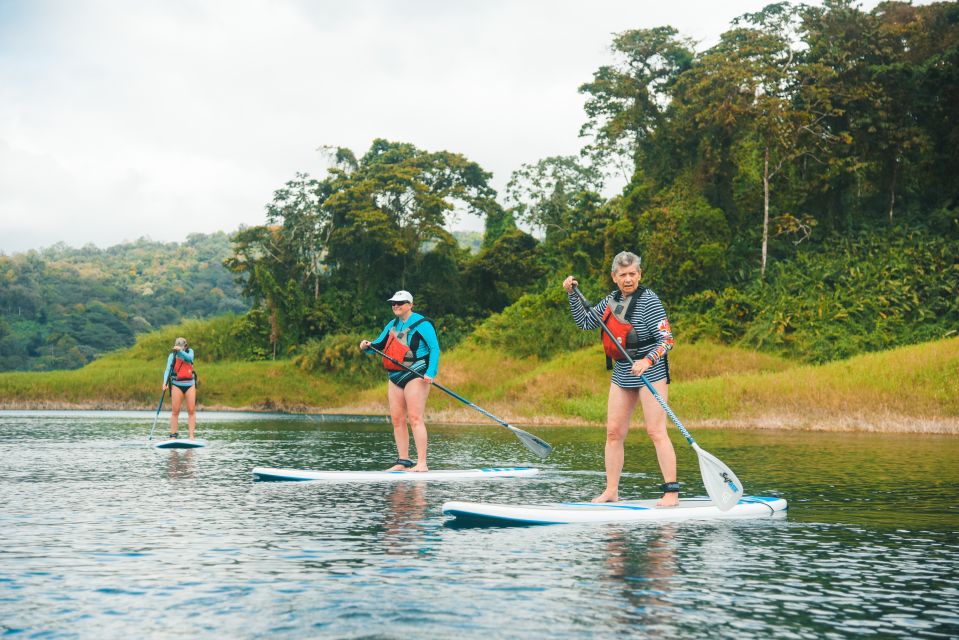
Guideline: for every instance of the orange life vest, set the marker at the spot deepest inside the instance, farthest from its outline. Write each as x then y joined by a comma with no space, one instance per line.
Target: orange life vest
182,370
398,346
616,318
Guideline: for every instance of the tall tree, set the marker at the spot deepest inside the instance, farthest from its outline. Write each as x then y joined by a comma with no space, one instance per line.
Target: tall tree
840,37
272,274
392,208
751,100
627,101
304,223
545,193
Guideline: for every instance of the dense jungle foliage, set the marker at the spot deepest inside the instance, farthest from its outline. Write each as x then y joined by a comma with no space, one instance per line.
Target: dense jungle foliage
792,188
60,307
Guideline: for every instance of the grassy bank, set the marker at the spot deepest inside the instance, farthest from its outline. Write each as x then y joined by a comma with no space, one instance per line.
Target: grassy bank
118,383
912,389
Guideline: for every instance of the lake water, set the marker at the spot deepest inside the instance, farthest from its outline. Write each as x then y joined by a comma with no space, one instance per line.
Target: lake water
105,537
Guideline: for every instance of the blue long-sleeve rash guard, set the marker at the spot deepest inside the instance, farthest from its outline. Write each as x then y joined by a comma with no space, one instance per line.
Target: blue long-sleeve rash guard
428,345
185,355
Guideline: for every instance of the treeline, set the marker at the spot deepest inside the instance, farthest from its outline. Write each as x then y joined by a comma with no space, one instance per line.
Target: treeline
801,122
334,249
62,307
807,139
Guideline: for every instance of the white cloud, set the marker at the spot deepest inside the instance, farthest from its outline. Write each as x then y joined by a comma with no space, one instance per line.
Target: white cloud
119,120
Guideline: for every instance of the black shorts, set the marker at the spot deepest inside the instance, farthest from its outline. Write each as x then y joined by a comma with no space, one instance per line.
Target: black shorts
402,378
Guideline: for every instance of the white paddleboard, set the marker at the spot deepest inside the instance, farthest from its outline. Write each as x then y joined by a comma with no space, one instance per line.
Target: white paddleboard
266,473
179,443
626,511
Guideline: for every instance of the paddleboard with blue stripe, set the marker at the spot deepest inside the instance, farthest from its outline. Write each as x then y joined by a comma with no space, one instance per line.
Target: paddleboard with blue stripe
179,443
268,474
626,511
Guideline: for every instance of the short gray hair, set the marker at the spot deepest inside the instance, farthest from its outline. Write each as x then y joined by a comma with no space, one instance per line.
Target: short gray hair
625,259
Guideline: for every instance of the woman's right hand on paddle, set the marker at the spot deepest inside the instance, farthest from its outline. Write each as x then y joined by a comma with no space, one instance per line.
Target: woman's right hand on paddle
365,344
569,283
165,387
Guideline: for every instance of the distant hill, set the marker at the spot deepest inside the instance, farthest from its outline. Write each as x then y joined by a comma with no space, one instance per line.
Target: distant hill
62,307
471,240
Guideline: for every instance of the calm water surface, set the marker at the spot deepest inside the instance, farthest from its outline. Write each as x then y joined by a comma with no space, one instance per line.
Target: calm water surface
103,536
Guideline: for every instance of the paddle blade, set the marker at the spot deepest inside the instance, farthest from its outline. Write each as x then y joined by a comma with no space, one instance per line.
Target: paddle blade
722,485
537,445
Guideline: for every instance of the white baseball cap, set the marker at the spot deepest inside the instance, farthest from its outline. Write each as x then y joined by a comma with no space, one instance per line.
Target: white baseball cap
402,296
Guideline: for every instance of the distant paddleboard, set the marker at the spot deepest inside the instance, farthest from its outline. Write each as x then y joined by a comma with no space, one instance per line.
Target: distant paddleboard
627,511
178,443
267,474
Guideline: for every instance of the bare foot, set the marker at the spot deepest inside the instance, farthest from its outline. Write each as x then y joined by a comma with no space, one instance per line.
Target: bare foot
420,467
397,467
670,499
607,496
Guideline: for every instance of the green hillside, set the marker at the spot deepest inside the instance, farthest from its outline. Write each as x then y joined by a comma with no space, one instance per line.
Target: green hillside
61,308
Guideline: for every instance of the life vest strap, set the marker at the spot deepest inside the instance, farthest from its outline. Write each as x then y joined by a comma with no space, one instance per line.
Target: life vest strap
634,347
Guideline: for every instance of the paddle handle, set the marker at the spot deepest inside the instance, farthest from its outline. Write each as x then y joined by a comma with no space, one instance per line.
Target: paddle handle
642,377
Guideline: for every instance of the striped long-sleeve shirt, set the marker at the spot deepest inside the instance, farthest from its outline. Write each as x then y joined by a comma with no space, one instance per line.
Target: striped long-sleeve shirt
651,325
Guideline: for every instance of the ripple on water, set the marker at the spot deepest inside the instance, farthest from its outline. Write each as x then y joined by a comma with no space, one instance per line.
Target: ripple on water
104,539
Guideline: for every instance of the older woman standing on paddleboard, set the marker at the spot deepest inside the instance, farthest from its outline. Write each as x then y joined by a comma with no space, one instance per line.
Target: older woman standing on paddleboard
181,378
636,317
411,340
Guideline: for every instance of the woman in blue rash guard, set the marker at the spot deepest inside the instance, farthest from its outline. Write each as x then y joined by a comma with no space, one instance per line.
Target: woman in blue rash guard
179,375
411,339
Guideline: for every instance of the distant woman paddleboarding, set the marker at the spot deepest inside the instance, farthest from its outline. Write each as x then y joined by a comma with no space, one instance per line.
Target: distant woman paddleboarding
636,317
180,376
411,340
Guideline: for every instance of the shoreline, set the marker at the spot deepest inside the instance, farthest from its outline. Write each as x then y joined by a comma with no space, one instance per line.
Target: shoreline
890,423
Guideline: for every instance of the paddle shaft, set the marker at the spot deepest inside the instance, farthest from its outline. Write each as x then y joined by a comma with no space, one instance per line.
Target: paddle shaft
444,389
535,444
645,381
159,406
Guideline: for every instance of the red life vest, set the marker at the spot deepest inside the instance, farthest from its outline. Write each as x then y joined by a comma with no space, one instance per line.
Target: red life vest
399,347
182,370
616,318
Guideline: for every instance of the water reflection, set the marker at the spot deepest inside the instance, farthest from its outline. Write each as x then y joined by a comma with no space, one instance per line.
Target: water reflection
180,464
642,567
406,508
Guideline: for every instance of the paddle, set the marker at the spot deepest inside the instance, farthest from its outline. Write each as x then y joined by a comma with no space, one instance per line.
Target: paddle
722,485
537,445
162,395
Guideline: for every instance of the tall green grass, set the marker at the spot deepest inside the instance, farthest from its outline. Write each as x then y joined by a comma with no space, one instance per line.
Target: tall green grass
219,338
115,383
712,384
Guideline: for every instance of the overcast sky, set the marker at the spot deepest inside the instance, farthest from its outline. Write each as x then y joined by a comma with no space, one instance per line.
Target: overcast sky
126,119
